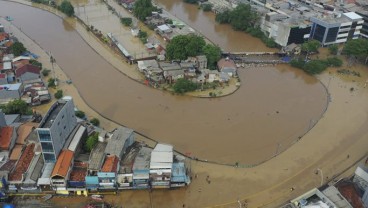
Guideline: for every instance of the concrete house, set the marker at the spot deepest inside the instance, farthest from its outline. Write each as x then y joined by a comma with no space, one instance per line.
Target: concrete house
27,73
96,159
10,92
107,175
60,173
141,168
120,140
33,173
161,164
228,66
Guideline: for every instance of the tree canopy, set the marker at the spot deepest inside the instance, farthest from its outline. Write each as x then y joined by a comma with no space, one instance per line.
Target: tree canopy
17,48
316,66
357,48
67,8
183,85
240,18
213,54
91,142
183,46
16,107
311,46
143,9
95,121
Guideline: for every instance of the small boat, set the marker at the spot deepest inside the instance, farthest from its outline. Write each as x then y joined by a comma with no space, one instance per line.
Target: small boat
47,197
97,197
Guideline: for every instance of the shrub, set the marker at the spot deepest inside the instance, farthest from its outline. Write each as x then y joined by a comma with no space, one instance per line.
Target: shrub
35,63
334,61
59,94
95,121
80,114
91,142
127,21
183,85
207,7
46,72
333,49
67,8
51,83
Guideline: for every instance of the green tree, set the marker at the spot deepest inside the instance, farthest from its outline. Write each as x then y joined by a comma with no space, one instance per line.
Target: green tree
67,8
334,61
213,54
91,142
357,48
95,121
183,46
51,82
207,7
311,46
142,35
59,94
80,114
45,72
183,85
17,48
127,21
35,63
143,9
315,66
333,49
16,107
243,17
191,1
223,17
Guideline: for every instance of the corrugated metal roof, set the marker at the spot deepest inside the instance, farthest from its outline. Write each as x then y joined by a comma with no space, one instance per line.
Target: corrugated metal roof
76,139
97,156
116,143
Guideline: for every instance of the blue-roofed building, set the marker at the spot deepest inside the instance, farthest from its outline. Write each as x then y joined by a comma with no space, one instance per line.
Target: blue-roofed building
92,183
179,175
106,180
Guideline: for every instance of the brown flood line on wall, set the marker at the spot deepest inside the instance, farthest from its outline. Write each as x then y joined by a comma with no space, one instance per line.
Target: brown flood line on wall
221,34
270,110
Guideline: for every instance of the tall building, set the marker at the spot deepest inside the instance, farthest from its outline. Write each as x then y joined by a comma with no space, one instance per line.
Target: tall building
55,128
336,30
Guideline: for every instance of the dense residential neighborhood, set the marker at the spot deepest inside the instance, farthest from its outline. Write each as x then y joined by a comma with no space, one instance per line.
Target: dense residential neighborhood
50,156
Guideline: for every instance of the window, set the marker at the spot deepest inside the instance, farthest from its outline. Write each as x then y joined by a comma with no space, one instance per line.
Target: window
47,147
62,117
64,127
332,34
49,157
44,135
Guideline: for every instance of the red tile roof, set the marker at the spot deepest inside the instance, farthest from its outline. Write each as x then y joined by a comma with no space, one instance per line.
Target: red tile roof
20,63
111,164
5,137
27,68
349,191
23,163
8,166
79,171
63,163
4,36
226,63
8,44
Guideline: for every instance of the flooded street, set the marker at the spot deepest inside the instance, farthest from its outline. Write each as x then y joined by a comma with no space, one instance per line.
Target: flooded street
272,108
204,22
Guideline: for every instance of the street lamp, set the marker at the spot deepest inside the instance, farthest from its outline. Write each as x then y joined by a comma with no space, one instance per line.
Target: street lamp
319,170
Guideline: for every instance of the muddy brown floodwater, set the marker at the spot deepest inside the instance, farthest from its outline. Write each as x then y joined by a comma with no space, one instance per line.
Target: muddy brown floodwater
204,22
265,116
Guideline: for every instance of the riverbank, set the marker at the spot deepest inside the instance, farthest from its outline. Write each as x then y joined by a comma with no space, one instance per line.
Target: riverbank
341,131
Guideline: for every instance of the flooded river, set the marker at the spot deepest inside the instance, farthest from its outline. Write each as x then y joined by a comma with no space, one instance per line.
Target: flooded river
204,22
270,110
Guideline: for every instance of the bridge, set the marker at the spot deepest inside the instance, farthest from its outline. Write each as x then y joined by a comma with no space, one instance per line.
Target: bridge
257,57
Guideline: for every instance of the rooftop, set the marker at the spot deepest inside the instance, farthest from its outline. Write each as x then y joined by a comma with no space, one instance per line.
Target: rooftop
8,166
52,114
96,157
79,172
24,130
142,160
116,143
27,68
350,192
111,164
23,163
226,63
16,152
35,168
45,177
63,163
6,133
162,157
